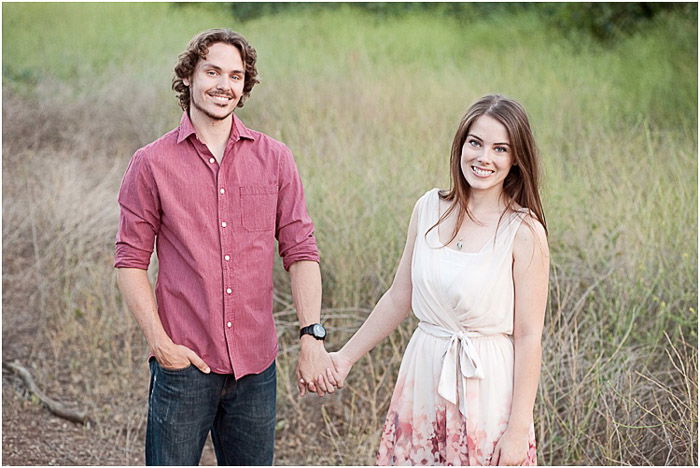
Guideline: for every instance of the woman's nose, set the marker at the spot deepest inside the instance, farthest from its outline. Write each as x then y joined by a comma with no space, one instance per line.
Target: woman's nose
484,155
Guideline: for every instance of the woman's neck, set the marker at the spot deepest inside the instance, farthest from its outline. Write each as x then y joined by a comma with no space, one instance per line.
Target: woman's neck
484,202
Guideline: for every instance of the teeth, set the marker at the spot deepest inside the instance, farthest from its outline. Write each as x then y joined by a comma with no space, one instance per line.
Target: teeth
482,172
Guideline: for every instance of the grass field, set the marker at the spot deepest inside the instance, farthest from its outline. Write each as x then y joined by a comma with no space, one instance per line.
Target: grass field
369,108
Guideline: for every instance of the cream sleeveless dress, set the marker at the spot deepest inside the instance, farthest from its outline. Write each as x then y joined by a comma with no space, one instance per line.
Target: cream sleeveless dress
453,394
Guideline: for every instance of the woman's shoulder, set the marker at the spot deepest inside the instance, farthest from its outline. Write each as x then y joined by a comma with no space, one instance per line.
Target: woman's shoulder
528,217
531,232
424,205
428,197
432,193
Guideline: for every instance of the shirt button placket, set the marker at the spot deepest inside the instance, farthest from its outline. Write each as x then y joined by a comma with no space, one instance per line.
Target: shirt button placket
224,245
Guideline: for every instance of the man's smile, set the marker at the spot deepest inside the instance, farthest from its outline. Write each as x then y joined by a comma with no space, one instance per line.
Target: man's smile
220,98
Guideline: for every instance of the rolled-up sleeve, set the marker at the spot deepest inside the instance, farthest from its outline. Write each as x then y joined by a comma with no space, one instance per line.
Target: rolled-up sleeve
295,230
139,215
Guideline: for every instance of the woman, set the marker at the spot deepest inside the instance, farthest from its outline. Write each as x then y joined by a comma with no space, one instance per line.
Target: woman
475,272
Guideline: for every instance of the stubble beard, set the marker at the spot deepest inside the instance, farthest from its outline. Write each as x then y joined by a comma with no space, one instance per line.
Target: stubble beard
195,104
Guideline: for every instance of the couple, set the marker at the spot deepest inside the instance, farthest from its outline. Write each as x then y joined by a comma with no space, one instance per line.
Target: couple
214,195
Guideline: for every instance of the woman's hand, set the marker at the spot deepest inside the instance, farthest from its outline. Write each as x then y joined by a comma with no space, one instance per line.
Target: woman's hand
511,448
341,368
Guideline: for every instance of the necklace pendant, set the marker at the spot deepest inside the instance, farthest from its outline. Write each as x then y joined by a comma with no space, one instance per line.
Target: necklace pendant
459,244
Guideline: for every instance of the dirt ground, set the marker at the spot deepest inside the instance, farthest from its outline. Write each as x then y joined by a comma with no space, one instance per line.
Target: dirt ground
32,435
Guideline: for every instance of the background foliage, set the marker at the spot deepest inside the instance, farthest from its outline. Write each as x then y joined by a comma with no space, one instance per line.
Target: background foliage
368,97
604,21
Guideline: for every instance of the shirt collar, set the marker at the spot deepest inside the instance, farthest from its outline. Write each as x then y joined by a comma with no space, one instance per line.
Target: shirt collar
242,130
238,129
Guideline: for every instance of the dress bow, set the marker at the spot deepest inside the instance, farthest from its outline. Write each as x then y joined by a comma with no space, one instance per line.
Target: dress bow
460,357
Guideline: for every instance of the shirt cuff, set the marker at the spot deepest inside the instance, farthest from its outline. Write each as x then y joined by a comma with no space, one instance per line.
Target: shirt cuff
130,257
289,260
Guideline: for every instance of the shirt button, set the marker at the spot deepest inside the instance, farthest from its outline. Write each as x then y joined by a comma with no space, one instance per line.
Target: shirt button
222,191
227,258
229,324
229,290
212,160
223,223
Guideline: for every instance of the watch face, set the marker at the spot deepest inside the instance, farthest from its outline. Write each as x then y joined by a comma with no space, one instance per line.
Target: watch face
319,331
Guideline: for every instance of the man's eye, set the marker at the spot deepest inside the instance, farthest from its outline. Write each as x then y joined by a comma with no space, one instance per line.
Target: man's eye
211,73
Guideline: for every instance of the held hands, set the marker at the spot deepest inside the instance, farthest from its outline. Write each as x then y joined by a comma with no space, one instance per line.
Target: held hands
311,367
511,448
328,374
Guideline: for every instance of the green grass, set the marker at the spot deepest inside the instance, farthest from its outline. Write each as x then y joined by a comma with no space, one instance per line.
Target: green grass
369,107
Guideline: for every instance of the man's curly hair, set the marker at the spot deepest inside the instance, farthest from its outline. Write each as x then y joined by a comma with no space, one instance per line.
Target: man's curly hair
198,48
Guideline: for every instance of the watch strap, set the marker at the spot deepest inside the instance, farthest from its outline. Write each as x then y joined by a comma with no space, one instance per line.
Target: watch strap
309,330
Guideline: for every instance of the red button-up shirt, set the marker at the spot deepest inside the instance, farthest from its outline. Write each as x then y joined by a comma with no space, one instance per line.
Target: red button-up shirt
215,227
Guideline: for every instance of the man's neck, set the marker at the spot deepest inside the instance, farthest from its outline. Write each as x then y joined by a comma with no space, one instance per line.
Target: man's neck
211,132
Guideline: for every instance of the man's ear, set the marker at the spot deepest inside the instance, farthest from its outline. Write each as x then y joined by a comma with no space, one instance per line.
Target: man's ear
186,81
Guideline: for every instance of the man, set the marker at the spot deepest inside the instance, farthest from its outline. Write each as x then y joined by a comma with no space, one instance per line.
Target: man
214,195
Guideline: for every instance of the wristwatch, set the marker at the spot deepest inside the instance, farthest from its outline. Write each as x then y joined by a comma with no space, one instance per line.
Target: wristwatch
315,329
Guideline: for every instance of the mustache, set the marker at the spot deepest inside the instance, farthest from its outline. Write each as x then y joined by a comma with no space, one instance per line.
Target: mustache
221,92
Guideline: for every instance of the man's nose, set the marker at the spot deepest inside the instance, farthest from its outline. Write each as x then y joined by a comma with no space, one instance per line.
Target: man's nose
224,82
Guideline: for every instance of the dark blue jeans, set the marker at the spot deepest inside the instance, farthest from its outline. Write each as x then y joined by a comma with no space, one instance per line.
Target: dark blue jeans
184,405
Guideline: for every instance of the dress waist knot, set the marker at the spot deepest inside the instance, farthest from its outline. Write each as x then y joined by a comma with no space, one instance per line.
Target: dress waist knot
460,356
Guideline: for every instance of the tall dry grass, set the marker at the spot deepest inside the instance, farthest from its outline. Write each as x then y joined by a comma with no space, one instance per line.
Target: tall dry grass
369,109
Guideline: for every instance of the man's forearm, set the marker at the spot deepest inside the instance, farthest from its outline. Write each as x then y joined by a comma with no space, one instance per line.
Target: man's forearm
306,294
306,291
138,293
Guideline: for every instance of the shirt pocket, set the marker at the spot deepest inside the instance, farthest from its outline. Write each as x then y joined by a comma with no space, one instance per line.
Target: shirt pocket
258,207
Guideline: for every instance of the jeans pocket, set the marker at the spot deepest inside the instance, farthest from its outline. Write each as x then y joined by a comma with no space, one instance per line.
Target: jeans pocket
258,207
174,371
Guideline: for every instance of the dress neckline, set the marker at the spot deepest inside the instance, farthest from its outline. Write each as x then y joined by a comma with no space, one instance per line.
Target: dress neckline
490,240
484,248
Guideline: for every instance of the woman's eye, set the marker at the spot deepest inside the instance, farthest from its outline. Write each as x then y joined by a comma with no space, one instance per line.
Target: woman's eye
501,149
474,143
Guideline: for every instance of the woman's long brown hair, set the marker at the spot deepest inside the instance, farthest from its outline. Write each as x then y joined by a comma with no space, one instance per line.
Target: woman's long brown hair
521,185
